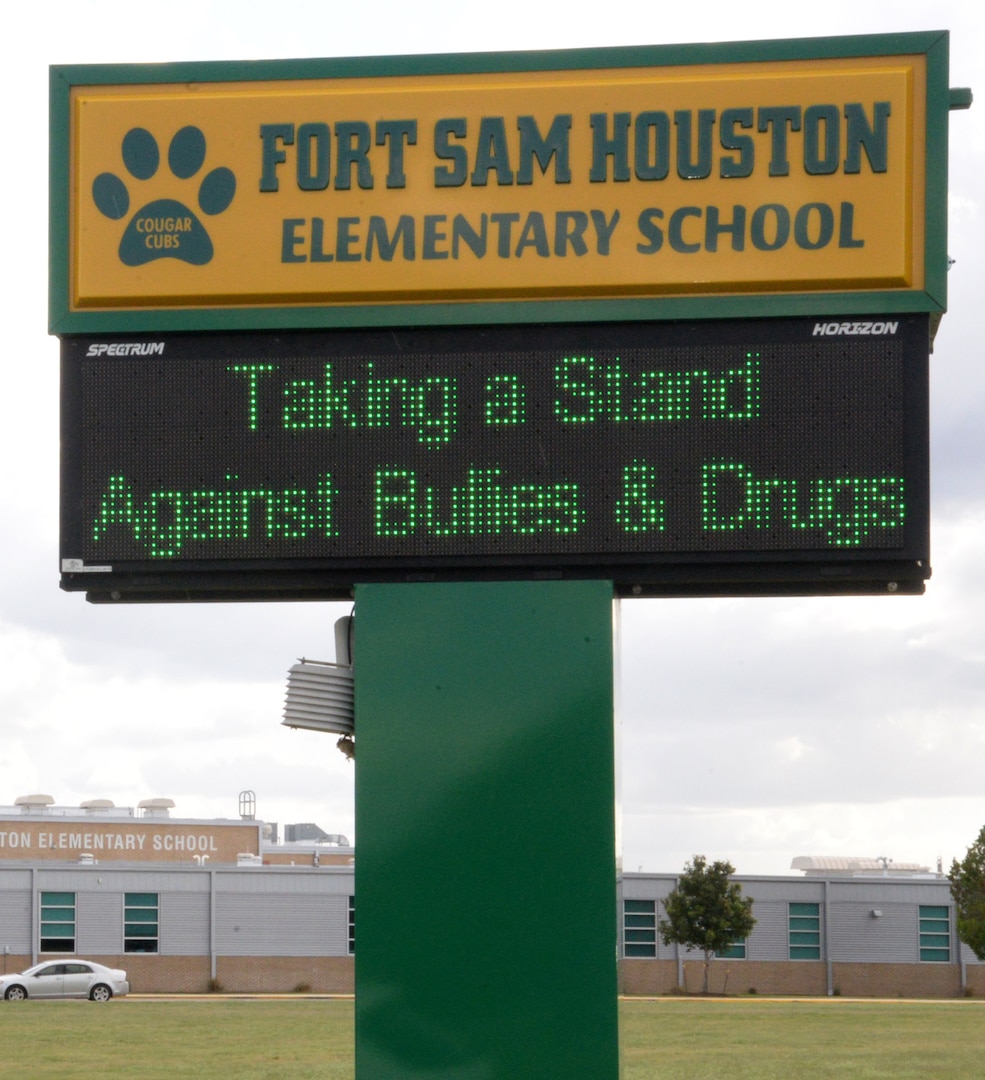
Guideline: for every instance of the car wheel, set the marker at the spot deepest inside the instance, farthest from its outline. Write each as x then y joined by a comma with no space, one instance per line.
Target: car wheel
15,993
100,992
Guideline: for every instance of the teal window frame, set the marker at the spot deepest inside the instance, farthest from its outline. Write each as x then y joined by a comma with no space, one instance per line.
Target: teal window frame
736,951
141,922
639,928
935,934
352,926
804,931
56,930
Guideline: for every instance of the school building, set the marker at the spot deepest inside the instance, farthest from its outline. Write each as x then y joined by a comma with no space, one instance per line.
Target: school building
239,905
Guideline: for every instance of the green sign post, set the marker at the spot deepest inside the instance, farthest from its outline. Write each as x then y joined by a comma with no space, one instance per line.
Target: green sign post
485,875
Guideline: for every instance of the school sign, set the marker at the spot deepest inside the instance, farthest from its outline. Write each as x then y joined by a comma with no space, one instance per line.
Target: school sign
715,181
516,333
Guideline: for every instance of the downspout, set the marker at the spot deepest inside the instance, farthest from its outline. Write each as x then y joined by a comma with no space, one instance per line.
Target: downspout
827,939
962,963
678,956
35,916
212,962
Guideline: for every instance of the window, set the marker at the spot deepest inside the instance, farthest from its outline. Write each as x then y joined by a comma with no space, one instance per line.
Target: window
352,925
805,931
736,951
935,934
140,922
639,924
58,922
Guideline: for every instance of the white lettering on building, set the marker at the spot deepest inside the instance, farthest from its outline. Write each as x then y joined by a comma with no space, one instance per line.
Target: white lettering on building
108,841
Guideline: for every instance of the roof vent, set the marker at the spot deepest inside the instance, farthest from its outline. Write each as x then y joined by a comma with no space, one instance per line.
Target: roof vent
856,866
34,804
156,807
97,806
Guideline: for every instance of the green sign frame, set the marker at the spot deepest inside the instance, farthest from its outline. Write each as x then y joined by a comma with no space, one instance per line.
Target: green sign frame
929,295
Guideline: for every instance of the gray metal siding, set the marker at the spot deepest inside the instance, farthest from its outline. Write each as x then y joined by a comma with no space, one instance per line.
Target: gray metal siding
769,939
858,936
14,880
15,920
795,891
875,890
282,925
184,924
671,951
98,923
275,881
967,956
666,952
849,930
97,879
645,888
299,911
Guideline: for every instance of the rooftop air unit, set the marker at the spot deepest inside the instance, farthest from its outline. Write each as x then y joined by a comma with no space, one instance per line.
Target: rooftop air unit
156,807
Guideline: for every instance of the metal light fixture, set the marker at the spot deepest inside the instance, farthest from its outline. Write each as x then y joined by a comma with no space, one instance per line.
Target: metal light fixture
320,693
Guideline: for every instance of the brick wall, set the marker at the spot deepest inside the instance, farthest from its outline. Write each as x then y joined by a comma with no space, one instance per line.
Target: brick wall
235,974
647,977
336,974
284,974
13,963
976,979
644,977
150,974
897,980
725,976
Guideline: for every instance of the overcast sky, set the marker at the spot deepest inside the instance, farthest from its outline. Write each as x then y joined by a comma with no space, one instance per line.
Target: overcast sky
754,730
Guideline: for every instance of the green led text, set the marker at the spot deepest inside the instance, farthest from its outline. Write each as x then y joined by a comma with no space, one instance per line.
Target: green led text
639,509
428,406
483,505
846,509
166,520
590,390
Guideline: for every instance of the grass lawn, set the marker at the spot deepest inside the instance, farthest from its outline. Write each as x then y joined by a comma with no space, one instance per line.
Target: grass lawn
791,1039
297,1038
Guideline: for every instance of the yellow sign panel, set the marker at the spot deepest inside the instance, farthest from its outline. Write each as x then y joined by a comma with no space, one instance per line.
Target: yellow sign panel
752,178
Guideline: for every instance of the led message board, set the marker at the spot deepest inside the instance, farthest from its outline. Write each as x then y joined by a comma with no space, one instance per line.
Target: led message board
674,458
704,181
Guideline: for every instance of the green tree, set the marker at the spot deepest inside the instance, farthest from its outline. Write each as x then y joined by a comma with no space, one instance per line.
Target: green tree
706,910
968,890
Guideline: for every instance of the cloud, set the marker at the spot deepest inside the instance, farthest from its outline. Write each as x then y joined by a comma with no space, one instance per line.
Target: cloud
868,713
765,839
76,732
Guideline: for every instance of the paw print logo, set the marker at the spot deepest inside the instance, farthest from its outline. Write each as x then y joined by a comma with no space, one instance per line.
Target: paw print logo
164,228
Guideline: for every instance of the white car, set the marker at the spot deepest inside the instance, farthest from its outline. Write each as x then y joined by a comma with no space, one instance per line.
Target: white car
65,979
